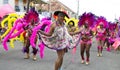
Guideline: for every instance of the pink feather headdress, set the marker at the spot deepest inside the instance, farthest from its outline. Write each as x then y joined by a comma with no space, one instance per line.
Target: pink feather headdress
102,21
87,17
112,26
31,15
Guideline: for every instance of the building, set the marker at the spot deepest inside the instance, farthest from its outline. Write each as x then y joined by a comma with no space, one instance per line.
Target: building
11,2
45,8
53,5
19,5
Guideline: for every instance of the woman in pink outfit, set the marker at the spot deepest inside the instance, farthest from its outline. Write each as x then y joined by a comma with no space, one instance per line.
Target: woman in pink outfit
101,34
86,22
86,42
111,35
116,43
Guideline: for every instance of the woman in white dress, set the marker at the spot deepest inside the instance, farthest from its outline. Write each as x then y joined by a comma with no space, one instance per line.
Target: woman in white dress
58,38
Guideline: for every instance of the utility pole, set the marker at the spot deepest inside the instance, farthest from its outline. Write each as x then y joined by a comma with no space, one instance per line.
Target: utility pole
49,5
77,8
28,3
50,11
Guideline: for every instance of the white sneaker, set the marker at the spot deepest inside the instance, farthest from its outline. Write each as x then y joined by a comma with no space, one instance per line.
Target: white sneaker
98,54
82,61
87,63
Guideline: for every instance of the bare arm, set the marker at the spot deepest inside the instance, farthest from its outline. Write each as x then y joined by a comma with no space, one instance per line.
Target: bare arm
76,32
52,27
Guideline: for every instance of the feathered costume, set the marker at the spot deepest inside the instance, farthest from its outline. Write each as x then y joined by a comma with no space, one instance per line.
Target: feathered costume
101,21
102,25
111,35
87,22
116,43
20,25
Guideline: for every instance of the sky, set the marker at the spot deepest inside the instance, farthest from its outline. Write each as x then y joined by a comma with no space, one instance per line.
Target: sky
107,8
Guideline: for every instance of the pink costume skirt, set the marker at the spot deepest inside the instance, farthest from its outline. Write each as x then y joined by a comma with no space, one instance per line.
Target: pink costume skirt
111,40
100,37
86,42
116,44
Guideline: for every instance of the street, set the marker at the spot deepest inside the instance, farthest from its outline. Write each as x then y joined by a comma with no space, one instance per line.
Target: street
13,59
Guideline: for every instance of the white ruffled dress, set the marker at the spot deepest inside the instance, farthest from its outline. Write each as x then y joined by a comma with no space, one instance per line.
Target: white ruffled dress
60,39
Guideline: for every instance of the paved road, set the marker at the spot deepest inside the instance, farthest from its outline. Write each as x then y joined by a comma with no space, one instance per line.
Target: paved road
13,60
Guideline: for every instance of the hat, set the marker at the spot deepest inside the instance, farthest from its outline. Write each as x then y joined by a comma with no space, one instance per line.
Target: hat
64,13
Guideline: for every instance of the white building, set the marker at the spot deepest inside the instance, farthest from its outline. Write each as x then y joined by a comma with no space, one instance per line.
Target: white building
18,5
11,2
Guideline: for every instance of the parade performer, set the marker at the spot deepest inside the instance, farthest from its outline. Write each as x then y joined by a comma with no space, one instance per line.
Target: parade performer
101,33
86,23
111,35
28,32
116,44
58,38
20,25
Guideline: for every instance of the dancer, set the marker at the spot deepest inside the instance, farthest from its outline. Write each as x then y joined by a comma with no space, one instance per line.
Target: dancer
116,44
58,38
27,34
111,35
87,22
101,34
86,42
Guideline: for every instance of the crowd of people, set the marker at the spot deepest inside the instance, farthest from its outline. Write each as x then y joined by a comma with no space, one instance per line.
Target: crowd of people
62,37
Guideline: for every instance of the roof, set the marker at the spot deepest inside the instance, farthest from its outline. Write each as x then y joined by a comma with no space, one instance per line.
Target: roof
40,1
66,7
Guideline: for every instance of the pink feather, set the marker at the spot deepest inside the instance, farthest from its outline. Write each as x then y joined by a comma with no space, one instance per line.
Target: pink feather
41,46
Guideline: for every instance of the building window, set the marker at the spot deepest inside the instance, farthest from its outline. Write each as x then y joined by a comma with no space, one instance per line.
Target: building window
17,8
5,1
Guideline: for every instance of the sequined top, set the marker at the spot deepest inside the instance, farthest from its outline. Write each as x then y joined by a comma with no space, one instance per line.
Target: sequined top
101,32
86,34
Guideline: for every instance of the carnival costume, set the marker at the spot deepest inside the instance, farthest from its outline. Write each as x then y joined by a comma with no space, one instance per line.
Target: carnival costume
87,19
102,24
116,43
28,33
19,26
111,35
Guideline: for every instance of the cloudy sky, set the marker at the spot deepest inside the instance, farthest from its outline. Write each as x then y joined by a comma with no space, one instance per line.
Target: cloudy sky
108,8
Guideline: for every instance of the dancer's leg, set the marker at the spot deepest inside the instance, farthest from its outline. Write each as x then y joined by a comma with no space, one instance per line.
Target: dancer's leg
59,61
35,51
82,49
87,53
27,49
98,48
